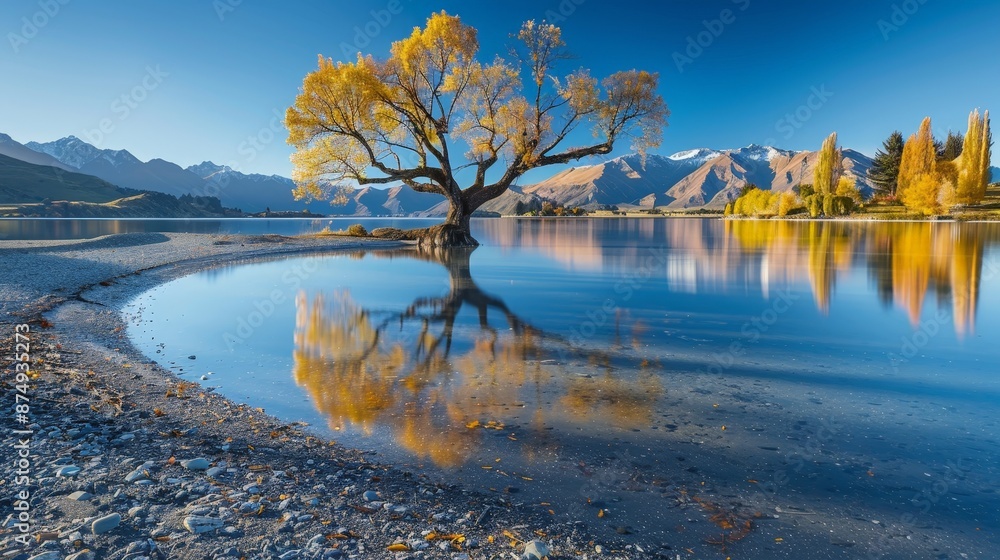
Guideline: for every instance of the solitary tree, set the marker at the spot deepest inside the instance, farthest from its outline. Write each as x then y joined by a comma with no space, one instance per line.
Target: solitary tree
406,119
884,171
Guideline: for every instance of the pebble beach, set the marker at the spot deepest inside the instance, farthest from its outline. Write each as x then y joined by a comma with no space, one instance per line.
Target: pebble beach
124,460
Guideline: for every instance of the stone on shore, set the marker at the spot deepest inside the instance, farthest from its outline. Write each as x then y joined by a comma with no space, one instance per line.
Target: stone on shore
199,464
106,523
68,470
80,496
201,524
536,550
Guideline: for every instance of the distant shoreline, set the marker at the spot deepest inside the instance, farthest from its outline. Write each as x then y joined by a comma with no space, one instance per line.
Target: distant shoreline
706,216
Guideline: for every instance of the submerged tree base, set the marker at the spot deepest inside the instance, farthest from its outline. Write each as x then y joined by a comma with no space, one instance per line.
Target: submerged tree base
443,235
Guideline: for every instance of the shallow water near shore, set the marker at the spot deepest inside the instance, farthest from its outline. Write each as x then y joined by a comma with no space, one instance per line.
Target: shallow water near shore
666,381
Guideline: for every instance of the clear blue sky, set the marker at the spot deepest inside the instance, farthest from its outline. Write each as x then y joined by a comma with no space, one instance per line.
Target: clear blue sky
218,81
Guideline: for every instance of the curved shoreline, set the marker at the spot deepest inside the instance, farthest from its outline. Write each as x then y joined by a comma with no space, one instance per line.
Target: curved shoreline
273,490
100,405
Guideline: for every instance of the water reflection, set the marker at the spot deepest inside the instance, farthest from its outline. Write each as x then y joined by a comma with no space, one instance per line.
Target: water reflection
906,261
447,369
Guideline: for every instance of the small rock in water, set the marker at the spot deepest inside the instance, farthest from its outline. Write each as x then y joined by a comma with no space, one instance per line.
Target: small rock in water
536,550
370,496
82,555
68,470
201,524
80,496
50,555
199,464
192,357
105,524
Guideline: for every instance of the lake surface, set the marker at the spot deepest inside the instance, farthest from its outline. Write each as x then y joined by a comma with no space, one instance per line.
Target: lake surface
754,389
88,228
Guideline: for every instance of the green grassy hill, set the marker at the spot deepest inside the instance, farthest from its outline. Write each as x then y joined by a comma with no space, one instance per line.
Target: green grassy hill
29,190
25,183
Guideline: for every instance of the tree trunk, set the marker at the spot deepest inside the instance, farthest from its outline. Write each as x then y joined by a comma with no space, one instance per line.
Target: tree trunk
454,232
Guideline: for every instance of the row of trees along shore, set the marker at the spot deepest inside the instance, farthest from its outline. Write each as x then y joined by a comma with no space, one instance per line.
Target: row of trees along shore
925,175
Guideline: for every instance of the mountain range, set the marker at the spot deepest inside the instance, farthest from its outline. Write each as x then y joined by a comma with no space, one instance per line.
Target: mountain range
698,178
248,192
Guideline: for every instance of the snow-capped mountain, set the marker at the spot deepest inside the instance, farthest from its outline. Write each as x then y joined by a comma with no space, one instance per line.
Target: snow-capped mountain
720,180
14,149
700,177
120,167
700,155
688,179
208,170
625,180
77,154
250,193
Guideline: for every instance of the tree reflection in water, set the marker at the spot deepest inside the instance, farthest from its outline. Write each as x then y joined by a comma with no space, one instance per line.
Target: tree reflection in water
906,260
440,384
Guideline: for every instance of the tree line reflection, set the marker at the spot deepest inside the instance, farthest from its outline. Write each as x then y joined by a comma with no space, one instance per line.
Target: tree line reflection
905,261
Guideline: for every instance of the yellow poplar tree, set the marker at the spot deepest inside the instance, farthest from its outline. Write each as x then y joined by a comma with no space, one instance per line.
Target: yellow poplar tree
919,160
829,168
974,163
922,194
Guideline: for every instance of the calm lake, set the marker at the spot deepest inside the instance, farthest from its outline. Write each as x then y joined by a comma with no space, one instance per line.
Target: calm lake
828,384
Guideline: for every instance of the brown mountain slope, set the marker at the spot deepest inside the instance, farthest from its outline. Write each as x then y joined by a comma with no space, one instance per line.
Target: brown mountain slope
719,181
623,181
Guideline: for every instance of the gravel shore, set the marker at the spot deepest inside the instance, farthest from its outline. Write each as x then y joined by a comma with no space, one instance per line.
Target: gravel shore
127,461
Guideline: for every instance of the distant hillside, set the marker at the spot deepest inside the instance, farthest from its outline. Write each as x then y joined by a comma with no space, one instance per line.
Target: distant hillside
505,204
995,171
11,148
250,193
142,205
394,201
27,189
23,182
699,178
719,181
121,167
623,181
